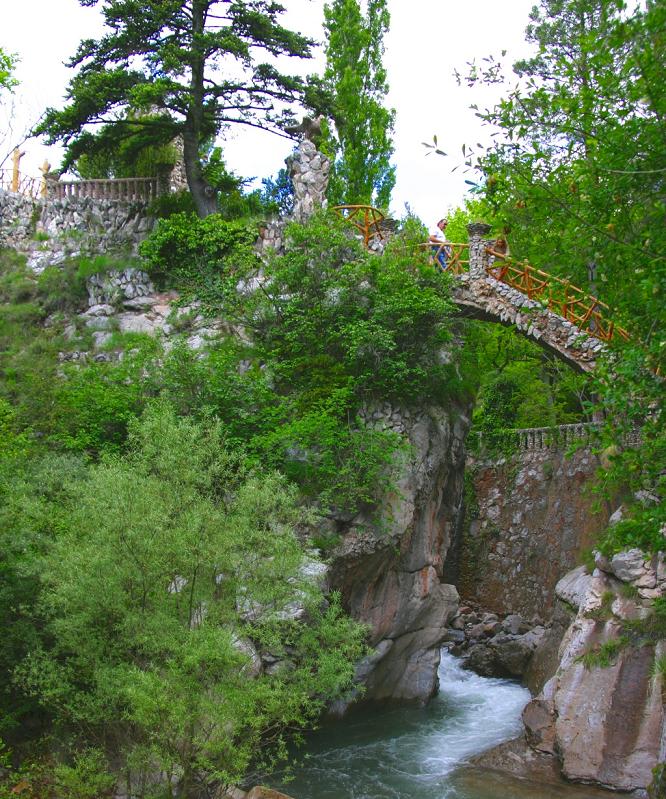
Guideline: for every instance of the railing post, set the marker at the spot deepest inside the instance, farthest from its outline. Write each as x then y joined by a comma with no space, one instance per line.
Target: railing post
16,169
477,249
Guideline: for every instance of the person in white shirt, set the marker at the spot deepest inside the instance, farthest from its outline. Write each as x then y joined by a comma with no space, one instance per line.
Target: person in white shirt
438,239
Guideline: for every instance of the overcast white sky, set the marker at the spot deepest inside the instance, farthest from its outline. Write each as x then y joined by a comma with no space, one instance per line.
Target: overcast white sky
428,40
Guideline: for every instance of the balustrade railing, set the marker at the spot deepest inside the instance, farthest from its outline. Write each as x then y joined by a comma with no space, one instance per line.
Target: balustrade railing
124,189
128,189
535,439
531,439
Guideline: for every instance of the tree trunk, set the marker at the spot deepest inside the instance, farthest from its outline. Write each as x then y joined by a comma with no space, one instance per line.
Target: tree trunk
203,194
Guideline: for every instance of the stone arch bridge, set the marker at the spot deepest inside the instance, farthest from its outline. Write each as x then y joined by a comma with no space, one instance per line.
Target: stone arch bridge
550,311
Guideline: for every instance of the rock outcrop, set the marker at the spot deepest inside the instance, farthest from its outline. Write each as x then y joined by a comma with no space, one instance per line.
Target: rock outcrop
390,571
601,716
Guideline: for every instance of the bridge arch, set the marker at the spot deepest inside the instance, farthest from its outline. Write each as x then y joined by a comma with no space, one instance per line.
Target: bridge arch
552,312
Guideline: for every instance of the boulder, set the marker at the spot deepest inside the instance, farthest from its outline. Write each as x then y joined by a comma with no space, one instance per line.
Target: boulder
573,586
481,660
539,720
512,623
629,566
513,653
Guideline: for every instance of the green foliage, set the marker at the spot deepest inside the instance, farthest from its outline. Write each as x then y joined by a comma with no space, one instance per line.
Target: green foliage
332,329
124,150
334,318
576,183
198,555
361,145
181,73
605,654
278,193
7,66
32,492
657,788
186,251
659,667
577,175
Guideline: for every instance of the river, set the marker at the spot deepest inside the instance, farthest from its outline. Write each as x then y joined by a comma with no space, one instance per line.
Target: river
403,752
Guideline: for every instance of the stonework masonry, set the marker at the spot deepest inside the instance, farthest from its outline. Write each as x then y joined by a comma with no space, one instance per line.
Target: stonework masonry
45,230
529,518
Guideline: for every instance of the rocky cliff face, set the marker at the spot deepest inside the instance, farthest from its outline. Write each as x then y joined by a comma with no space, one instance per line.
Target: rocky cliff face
390,573
603,713
600,719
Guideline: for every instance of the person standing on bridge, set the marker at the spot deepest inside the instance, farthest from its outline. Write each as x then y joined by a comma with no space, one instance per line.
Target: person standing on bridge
437,238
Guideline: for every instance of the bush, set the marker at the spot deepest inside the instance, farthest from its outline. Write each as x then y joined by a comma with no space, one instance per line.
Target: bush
198,554
185,250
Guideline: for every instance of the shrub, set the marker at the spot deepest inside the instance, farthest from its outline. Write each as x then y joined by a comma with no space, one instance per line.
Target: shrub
184,249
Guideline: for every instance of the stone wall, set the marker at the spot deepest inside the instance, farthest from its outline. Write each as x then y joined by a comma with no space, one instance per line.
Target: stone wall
45,229
19,216
528,519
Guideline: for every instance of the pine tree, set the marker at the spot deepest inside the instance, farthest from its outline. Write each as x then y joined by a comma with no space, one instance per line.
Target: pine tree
195,61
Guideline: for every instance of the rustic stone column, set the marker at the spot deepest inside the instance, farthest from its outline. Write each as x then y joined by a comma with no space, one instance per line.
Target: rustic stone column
477,249
309,171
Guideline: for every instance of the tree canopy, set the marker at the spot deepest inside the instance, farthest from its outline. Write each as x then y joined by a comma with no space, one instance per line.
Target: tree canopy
192,66
577,180
579,172
361,144
7,66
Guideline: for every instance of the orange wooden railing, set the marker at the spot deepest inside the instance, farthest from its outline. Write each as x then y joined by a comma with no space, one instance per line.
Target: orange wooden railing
366,219
21,184
455,255
583,310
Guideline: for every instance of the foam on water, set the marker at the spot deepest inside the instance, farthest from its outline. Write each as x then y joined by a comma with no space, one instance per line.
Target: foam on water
406,752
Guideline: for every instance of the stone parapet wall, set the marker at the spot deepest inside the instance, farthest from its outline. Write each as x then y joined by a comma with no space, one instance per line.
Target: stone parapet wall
106,224
528,520
112,223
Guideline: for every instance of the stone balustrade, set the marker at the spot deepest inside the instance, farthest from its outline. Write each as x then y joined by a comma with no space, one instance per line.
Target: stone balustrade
123,189
538,438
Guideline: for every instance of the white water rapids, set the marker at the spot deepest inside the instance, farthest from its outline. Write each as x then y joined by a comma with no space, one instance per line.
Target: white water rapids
405,752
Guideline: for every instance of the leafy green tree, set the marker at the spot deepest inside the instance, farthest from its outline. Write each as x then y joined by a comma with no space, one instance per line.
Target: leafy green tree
579,181
361,145
196,61
578,176
7,66
105,155
170,562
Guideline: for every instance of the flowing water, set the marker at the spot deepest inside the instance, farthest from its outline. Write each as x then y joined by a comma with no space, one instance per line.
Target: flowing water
401,752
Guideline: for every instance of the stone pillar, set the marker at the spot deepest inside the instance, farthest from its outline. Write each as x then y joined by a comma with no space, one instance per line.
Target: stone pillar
477,249
51,181
309,171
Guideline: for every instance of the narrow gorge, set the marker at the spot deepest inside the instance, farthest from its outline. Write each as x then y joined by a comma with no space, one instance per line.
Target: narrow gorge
475,553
